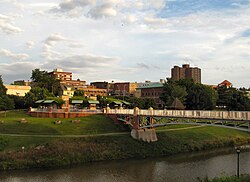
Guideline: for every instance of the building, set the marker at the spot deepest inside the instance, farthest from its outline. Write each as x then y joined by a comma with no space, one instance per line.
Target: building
103,85
124,89
225,83
74,83
17,90
186,71
92,91
152,91
66,90
59,74
22,83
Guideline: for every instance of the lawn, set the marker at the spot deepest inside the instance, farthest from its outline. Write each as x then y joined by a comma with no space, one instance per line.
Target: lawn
101,124
94,124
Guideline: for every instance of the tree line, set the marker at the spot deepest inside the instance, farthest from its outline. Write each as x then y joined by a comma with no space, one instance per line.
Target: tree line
203,97
193,96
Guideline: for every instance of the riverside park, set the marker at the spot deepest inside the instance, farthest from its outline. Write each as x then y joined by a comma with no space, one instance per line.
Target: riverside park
44,143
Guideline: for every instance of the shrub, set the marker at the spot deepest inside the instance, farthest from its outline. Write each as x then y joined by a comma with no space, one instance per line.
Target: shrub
3,143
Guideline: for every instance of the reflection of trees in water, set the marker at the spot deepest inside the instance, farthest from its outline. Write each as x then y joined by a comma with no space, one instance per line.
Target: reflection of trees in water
185,167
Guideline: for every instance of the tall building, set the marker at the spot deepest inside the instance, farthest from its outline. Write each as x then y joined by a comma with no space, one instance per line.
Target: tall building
186,71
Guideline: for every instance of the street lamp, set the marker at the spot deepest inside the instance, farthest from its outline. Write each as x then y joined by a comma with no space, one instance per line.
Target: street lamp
238,162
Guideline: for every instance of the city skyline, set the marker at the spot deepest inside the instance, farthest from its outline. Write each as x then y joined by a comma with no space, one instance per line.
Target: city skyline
125,40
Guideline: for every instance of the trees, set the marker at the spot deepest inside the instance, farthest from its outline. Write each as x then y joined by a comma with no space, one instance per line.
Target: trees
44,80
194,96
172,90
201,97
6,103
2,87
233,99
35,94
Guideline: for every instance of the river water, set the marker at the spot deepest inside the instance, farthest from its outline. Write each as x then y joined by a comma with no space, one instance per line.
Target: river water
180,168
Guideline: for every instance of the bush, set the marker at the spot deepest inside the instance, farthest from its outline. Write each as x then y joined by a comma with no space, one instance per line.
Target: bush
3,143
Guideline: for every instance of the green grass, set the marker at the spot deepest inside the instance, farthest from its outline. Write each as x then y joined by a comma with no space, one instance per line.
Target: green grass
94,124
56,152
242,178
15,143
60,151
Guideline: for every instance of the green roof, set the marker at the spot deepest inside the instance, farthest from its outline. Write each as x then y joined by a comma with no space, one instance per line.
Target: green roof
154,85
126,103
117,102
76,101
49,101
39,102
93,102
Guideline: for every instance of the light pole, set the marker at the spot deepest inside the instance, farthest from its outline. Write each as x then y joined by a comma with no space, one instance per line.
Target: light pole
238,162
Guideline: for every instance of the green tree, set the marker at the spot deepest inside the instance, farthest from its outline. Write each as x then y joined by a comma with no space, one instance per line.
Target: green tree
172,90
201,97
6,103
36,93
193,95
44,80
18,101
149,102
233,99
2,87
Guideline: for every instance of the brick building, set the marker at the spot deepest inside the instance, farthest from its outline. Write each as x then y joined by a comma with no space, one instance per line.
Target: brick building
186,71
124,88
61,75
152,91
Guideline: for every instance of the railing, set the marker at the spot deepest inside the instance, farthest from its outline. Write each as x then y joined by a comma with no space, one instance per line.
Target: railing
39,109
58,110
63,110
121,111
86,110
230,115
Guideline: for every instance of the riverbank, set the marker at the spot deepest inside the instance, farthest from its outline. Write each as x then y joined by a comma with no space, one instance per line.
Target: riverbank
242,178
58,152
40,143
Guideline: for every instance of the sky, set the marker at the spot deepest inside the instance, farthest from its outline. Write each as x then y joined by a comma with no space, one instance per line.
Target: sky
126,40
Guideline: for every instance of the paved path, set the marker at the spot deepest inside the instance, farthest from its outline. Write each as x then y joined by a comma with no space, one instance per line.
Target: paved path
64,136
89,135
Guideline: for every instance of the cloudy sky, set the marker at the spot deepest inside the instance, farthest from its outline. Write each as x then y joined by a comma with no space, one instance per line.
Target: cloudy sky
126,40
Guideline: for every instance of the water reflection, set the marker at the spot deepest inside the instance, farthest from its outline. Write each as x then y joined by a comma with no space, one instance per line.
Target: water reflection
180,168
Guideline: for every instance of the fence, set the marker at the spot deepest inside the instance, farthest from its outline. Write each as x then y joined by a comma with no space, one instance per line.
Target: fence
229,115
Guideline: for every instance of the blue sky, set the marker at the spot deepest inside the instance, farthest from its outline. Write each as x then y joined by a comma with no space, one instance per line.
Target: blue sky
126,40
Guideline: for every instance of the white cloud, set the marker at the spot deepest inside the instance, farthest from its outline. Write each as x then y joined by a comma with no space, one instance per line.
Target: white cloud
7,24
54,38
157,4
104,10
131,18
48,45
155,22
14,56
30,44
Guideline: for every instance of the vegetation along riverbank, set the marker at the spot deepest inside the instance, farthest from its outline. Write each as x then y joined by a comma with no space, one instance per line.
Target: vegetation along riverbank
242,178
40,143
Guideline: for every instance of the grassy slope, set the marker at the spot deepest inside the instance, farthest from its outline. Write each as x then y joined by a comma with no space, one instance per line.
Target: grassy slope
54,152
242,178
88,125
